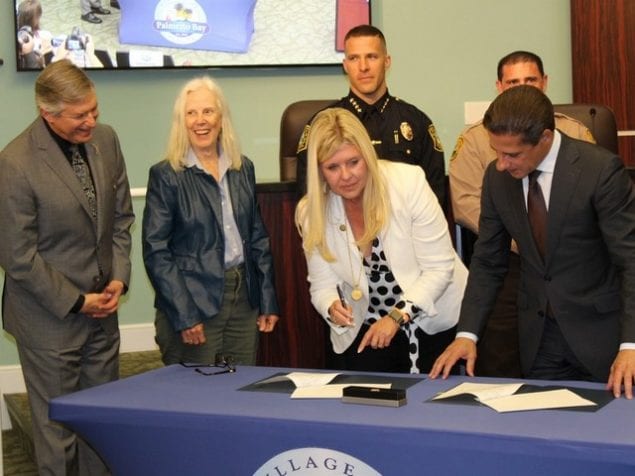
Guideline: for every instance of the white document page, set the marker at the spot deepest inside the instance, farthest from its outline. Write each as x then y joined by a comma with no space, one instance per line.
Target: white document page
502,398
538,401
482,391
303,379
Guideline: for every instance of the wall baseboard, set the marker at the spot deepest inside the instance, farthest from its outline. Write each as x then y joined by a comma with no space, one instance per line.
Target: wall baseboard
134,338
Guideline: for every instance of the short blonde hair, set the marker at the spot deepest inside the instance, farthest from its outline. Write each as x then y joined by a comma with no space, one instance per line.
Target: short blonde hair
330,129
178,141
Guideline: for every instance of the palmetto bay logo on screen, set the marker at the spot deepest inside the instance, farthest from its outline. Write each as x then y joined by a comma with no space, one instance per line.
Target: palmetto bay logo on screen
180,21
315,462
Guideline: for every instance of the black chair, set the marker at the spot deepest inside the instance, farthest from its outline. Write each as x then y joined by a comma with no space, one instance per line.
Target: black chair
294,118
599,119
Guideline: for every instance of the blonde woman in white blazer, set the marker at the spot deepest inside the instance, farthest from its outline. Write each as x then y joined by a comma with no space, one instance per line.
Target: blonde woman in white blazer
375,230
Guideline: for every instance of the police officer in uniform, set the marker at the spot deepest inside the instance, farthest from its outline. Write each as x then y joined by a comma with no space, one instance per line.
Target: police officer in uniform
398,130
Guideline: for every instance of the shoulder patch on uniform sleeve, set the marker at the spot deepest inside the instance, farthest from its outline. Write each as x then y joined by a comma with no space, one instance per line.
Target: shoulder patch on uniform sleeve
435,138
304,139
457,147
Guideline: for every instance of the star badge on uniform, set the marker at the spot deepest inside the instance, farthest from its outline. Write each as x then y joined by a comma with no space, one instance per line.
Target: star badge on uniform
406,131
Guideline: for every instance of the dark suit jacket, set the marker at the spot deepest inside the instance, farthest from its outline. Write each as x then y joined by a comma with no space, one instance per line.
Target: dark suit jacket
50,247
184,244
588,276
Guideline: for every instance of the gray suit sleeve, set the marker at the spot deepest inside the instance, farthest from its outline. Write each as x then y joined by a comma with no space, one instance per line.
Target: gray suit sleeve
19,254
123,219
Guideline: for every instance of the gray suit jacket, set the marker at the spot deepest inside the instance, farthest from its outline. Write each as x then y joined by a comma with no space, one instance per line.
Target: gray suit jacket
50,248
588,276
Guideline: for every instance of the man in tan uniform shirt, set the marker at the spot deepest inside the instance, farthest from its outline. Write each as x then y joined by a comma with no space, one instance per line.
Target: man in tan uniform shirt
498,346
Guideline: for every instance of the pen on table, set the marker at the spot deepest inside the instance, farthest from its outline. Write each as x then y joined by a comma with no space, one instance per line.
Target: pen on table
341,295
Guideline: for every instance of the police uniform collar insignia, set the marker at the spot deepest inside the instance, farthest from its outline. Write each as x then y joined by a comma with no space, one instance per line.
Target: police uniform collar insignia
383,106
355,105
361,106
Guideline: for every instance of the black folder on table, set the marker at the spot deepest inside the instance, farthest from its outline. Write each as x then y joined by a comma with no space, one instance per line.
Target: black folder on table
599,397
287,386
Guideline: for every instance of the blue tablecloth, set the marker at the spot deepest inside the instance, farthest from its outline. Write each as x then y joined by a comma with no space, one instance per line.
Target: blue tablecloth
175,421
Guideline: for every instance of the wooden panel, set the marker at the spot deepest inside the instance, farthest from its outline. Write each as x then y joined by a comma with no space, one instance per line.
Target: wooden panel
603,50
299,339
626,146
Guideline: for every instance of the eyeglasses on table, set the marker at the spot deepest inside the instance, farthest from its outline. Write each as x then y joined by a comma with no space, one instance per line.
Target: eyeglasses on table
223,362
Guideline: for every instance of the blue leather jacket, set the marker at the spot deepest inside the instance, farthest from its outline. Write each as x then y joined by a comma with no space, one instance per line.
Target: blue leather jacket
183,242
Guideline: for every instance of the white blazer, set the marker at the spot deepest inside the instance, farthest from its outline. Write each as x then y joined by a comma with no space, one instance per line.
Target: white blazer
418,248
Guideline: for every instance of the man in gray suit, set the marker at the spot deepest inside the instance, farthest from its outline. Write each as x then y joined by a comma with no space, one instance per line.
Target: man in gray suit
65,217
576,294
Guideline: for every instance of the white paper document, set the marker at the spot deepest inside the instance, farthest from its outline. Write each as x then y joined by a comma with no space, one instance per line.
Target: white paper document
482,391
502,398
538,401
303,379
316,384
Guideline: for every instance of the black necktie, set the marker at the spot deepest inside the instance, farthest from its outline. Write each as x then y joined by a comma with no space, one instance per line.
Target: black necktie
537,212
372,121
80,167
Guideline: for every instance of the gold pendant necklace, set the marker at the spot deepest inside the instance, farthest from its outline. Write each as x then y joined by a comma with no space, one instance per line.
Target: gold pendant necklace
356,293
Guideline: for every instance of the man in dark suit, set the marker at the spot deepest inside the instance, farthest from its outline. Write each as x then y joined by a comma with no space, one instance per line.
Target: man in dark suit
65,217
576,295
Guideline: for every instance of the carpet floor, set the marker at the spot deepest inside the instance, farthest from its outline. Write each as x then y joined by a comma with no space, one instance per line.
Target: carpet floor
16,448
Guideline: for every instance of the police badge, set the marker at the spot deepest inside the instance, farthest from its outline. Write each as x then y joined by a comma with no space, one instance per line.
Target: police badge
406,131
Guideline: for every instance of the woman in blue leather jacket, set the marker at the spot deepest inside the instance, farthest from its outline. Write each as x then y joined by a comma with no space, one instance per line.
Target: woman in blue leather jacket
205,248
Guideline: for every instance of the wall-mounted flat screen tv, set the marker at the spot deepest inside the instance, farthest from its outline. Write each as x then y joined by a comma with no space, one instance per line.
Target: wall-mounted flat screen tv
133,34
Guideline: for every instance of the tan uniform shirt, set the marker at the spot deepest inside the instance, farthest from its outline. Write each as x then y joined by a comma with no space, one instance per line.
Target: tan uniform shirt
472,154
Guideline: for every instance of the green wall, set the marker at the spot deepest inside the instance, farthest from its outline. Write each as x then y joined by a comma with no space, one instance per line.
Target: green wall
444,53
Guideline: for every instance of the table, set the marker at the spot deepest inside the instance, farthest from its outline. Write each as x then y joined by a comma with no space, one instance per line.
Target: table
175,421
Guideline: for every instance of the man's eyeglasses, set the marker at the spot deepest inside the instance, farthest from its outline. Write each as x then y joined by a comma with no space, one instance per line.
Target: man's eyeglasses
224,362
